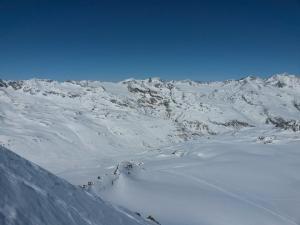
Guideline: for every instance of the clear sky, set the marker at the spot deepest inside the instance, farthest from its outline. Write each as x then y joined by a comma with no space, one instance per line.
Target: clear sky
115,40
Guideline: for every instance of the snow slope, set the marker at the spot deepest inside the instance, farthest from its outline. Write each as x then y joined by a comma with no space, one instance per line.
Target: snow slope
177,152
32,196
94,124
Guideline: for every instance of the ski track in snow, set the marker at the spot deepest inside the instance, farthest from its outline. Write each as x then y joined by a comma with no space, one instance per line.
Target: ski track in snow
234,195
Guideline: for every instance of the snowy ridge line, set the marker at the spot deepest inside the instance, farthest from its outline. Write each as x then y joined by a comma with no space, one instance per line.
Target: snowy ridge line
98,119
118,139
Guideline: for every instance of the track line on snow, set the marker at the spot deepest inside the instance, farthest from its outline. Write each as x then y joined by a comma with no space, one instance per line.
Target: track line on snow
233,195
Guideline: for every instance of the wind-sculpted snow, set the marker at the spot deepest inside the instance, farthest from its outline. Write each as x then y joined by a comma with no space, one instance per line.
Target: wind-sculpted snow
33,196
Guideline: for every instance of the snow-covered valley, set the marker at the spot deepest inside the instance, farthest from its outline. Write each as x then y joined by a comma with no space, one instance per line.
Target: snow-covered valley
175,152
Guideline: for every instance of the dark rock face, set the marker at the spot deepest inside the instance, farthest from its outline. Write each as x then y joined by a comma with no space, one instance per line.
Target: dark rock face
189,129
235,124
297,105
279,122
16,84
3,84
280,84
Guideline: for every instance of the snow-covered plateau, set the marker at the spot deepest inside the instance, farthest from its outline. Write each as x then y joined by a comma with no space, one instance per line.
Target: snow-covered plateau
170,152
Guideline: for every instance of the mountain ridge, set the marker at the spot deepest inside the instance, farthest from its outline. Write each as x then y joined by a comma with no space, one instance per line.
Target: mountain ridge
98,119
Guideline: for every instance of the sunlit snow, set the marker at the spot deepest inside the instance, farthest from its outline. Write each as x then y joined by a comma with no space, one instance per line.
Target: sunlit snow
179,152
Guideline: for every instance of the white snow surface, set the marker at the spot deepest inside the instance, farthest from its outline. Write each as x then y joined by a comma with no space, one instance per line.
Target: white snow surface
181,152
212,181
31,195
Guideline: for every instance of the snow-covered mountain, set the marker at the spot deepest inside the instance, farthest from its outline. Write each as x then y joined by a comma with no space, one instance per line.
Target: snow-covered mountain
228,148
90,121
31,195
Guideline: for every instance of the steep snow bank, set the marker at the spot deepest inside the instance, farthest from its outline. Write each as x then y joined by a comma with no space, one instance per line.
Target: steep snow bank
29,195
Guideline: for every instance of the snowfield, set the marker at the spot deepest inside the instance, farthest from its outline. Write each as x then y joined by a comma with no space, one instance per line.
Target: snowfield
212,181
174,152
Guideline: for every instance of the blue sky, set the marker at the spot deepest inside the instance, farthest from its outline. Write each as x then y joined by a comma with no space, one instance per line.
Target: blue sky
114,40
